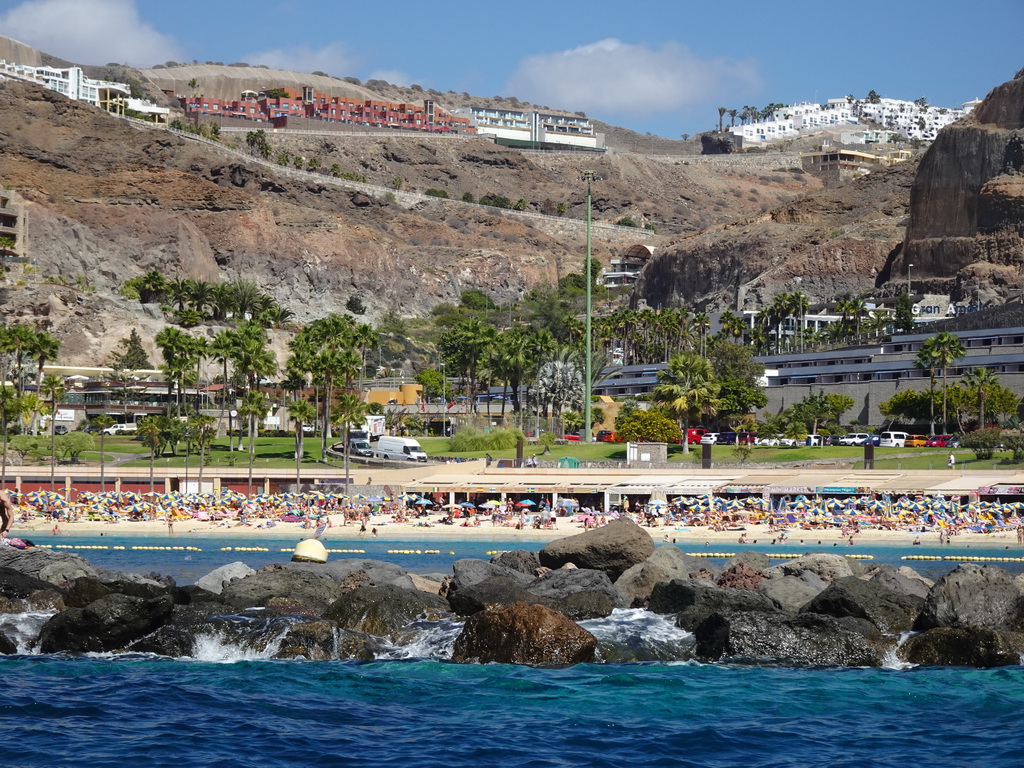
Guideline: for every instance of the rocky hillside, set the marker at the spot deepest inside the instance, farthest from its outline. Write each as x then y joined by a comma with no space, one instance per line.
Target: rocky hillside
966,225
957,217
106,201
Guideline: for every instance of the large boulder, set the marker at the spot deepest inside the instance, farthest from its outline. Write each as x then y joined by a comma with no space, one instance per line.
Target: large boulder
20,592
901,581
523,634
375,573
694,600
109,624
825,565
7,646
890,611
518,560
57,568
215,580
560,584
806,640
317,590
384,609
759,561
974,596
468,571
323,641
667,562
496,592
740,576
613,548
789,593
964,647
17,585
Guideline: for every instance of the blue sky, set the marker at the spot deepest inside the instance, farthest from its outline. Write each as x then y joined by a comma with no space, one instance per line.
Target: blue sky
661,66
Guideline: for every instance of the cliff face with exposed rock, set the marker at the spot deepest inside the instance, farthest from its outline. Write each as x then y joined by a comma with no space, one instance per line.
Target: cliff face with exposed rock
966,224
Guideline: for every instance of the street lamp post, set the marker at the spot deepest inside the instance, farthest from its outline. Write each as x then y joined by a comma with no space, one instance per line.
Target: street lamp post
589,176
909,267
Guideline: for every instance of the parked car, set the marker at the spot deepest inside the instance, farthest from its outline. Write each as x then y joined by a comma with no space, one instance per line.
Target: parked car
573,438
854,438
60,429
893,439
121,429
872,440
709,438
694,435
768,441
953,442
916,441
726,438
939,441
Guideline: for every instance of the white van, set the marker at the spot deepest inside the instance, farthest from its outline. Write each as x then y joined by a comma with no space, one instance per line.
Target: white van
400,448
893,440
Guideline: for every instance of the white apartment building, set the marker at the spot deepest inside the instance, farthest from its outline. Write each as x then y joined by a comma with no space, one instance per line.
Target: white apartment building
905,118
72,82
529,127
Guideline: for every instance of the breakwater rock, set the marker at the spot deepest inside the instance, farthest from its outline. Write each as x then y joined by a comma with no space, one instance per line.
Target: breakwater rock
601,604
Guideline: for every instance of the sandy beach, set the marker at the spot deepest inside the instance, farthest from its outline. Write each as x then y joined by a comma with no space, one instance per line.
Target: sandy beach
40,531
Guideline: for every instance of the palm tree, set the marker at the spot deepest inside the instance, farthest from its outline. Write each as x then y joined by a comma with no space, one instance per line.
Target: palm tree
947,349
151,429
927,361
10,410
798,305
254,408
350,411
687,388
101,422
721,117
982,380
200,425
302,413
54,389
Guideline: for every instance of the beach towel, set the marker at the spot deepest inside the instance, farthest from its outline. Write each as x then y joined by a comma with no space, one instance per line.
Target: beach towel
320,530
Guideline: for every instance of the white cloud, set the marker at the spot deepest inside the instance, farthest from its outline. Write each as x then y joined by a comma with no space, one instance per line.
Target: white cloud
610,76
89,32
332,59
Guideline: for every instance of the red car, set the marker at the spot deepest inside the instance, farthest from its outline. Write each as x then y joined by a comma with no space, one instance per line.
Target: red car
939,441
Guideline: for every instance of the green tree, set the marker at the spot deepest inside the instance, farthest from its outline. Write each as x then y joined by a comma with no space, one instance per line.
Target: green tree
254,409
688,390
131,355
350,411
981,381
651,426
944,349
302,412
53,389
903,321
151,429
101,422
73,444
355,305
10,410
434,385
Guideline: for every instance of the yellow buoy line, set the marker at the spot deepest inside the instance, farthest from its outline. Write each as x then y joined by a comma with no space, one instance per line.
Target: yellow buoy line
773,555
965,558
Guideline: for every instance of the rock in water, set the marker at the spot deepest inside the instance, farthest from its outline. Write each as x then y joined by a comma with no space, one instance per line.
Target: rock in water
496,592
695,600
789,593
215,580
666,563
964,647
57,568
887,609
974,596
613,549
317,590
108,624
524,634
518,560
383,610
808,639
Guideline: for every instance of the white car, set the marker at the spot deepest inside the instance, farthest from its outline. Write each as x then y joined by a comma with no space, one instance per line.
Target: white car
709,439
121,429
854,438
769,441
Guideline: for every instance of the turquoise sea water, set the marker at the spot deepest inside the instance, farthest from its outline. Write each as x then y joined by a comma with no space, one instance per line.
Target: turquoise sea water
226,708
156,712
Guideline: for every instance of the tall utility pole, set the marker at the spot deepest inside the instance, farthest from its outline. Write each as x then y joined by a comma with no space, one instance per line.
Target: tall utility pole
589,176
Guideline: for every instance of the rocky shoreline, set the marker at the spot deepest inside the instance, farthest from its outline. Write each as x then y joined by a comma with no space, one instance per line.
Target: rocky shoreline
822,609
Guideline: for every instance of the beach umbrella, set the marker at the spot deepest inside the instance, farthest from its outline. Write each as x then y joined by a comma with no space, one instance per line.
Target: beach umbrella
468,505
526,503
568,503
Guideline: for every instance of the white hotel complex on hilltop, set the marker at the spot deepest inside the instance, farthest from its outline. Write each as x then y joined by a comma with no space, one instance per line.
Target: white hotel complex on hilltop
72,82
530,128
906,119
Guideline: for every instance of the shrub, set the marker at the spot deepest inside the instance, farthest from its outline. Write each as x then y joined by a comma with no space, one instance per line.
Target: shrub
983,442
436,193
1015,443
626,221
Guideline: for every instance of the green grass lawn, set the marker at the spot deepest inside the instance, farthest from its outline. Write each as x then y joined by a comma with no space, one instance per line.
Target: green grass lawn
270,452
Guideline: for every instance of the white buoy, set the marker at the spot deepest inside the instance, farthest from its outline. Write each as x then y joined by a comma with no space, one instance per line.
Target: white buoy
310,551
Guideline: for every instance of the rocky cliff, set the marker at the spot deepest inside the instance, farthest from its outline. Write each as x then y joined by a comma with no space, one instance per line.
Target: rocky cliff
828,244
966,226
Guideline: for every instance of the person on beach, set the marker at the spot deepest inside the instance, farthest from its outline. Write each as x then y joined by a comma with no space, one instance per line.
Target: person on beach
952,461
6,513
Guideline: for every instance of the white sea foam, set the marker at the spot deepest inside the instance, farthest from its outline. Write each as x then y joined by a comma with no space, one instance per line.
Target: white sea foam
217,646
891,660
428,640
23,628
635,634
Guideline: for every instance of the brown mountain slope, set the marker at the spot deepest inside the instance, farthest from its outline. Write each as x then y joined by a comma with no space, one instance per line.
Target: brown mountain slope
829,244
